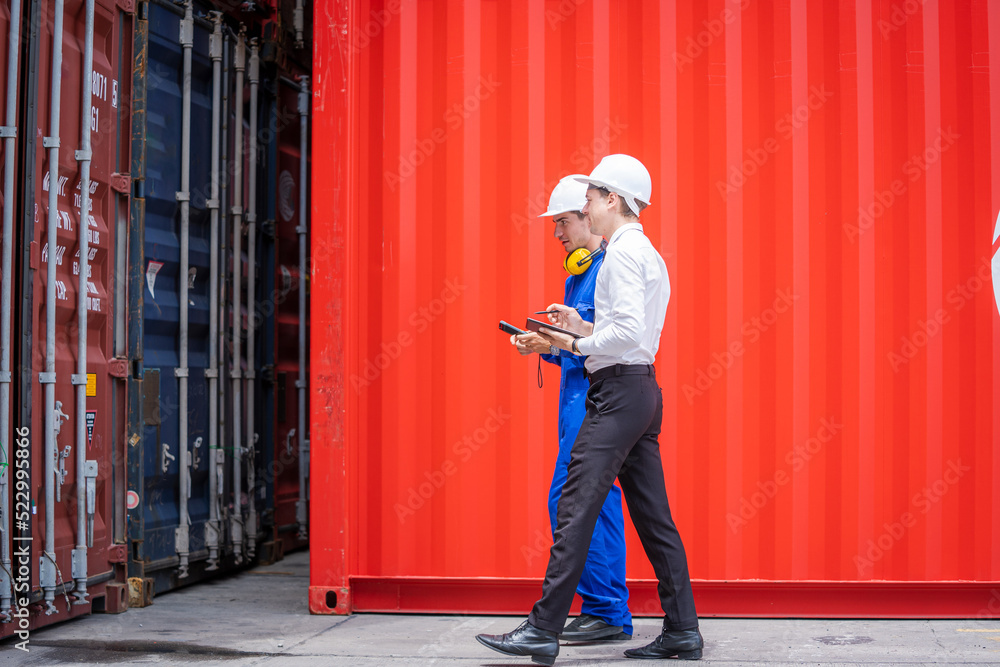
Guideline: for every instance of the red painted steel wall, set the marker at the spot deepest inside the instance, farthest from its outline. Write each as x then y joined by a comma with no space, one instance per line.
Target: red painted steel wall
824,198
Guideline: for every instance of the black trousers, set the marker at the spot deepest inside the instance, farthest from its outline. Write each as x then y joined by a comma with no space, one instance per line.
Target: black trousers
618,438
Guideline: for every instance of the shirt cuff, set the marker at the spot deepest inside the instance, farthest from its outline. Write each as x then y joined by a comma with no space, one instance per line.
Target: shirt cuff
583,345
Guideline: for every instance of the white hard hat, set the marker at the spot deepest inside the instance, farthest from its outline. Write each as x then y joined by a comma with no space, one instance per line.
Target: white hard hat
623,175
569,195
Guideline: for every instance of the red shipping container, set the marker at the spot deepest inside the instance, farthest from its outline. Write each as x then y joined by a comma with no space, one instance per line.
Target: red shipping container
824,198
108,122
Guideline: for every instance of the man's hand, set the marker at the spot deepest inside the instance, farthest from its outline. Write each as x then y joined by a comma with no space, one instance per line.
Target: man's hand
560,340
530,342
569,319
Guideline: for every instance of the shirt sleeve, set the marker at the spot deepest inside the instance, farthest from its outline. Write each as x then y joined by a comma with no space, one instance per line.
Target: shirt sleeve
565,359
568,360
557,359
627,310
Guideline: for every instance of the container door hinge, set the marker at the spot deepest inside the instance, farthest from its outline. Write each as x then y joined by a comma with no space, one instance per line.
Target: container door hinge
268,229
118,368
127,6
121,183
117,553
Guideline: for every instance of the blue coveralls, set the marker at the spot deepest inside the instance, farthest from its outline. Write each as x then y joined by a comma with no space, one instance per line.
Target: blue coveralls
602,585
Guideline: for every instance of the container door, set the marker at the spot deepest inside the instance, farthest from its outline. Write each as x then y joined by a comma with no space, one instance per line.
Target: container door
288,283
101,442
161,312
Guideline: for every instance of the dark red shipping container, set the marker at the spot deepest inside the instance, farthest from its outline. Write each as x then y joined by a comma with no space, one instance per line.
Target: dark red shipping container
107,120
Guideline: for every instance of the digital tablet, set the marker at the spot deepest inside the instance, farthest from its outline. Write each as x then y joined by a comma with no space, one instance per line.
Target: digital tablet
535,325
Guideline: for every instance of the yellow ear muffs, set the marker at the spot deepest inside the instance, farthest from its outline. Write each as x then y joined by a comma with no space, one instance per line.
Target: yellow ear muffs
578,261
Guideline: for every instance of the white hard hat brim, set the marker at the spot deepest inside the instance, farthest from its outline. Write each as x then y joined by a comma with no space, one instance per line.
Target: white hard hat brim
558,211
613,188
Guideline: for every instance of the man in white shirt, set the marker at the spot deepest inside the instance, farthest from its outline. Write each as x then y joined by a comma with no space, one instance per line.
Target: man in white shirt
618,437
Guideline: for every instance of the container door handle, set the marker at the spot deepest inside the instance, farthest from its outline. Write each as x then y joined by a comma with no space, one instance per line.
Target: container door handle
166,457
196,453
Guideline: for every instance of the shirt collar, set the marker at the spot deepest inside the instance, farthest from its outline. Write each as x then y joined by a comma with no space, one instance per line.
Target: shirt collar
624,228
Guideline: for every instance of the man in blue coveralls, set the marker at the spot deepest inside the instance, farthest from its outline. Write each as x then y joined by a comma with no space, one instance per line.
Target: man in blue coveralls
605,615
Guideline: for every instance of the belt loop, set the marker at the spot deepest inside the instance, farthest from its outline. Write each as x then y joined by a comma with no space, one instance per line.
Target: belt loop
618,370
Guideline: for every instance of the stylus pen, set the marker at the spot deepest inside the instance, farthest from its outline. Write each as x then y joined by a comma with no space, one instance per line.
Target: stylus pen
545,312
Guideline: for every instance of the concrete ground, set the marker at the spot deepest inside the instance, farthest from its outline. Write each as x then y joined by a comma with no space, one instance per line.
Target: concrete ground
260,617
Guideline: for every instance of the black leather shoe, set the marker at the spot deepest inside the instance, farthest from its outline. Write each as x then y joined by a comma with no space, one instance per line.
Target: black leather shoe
585,628
685,644
540,645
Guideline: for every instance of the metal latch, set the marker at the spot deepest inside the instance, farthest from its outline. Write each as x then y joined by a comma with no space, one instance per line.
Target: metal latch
220,462
90,474
62,472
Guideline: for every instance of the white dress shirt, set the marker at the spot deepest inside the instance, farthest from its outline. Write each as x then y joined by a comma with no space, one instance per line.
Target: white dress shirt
630,302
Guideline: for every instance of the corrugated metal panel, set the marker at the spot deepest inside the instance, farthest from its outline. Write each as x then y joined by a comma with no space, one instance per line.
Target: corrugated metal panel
103,394
824,199
161,296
